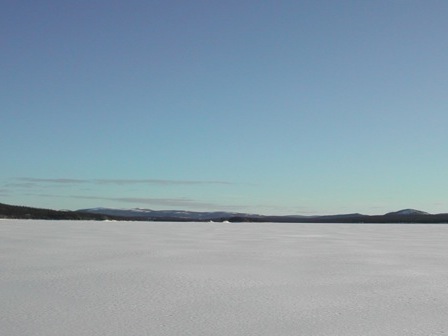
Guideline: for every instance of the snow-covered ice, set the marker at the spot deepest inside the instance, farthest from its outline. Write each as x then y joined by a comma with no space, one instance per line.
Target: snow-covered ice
142,278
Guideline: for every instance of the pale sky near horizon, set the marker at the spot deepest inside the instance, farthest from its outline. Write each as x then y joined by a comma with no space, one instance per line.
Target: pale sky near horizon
272,107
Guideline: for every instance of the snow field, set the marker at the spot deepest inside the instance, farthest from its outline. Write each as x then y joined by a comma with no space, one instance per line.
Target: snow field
143,278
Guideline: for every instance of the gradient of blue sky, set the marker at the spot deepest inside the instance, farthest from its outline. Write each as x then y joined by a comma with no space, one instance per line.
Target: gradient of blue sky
288,106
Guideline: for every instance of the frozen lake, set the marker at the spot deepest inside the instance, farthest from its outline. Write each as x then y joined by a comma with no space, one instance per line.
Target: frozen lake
140,278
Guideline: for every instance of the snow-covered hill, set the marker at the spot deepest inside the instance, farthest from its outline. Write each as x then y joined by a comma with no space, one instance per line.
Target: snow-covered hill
407,212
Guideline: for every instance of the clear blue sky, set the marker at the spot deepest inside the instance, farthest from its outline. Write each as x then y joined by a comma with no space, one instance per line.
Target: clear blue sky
273,107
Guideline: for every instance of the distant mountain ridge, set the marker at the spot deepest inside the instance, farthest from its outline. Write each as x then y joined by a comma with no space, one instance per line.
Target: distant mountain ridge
401,216
148,214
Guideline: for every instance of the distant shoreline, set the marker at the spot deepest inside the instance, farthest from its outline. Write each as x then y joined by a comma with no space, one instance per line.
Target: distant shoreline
101,214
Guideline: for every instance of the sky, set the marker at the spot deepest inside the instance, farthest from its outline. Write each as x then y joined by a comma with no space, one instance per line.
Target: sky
269,107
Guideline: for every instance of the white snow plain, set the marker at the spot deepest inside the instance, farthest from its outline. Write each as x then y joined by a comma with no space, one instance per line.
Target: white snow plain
143,278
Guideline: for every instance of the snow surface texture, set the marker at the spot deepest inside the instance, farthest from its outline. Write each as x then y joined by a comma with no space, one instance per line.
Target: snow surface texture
137,278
